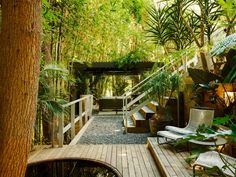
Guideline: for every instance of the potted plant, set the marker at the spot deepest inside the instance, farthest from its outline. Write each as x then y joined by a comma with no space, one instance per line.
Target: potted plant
161,89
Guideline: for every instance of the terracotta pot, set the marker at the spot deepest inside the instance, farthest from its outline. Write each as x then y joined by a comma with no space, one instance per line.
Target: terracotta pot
158,122
153,125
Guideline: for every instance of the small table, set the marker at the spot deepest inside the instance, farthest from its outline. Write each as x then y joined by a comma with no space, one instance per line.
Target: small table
220,141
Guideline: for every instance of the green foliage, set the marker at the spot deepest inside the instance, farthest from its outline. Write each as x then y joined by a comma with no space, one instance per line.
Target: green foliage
133,57
167,27
157,25
98,30
231,76
48,99
221,49
226,120
210,12
135,7
162,86
229,7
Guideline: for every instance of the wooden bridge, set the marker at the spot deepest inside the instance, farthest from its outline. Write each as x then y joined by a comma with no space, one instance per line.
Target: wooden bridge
131,160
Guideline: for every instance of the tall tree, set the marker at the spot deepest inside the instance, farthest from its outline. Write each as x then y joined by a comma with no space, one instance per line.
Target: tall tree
19,66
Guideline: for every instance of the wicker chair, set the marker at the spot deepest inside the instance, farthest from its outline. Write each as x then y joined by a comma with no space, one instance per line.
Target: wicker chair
197,117
212,159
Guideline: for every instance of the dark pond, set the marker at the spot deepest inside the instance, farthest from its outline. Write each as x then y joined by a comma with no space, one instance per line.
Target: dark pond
70,168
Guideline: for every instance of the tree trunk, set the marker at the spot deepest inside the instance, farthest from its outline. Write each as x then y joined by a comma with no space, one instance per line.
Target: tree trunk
203,60
19,66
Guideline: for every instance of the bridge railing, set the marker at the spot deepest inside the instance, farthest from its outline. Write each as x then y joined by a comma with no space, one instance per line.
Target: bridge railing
85,106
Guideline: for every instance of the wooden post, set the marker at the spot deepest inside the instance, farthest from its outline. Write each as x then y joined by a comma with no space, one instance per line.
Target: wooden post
72,116
123,108
60,134
80,114
126,116
91,106
86,109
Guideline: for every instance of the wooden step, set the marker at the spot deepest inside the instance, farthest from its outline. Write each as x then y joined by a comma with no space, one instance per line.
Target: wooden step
146,112
130,122
139,120
137,130
131,128
153,105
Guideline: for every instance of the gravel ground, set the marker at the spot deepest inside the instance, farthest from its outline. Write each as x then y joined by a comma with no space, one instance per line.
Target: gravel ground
108,129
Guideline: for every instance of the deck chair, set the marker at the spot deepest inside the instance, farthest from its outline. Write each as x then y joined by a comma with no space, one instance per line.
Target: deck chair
212,159
169,136
197,117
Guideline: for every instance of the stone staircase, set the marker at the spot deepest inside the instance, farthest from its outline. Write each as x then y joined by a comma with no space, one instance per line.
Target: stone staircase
139,121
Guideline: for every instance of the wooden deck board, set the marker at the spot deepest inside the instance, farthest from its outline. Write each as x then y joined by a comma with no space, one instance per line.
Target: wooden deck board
124,161
141,162
176,165
152,163
137,167
146,162
131,160
119,158
170,162
113,156
99,153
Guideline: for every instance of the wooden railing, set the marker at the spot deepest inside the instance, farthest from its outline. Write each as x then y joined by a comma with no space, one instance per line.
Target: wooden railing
85,105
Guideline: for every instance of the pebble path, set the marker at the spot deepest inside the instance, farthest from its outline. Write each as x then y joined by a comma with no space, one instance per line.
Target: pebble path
108,129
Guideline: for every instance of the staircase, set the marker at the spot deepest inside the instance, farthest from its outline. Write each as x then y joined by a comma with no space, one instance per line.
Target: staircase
136,113
139,121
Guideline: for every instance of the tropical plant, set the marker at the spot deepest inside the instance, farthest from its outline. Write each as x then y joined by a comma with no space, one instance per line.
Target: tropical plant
49,102
157,23
162,86
181,24
166,27
224,48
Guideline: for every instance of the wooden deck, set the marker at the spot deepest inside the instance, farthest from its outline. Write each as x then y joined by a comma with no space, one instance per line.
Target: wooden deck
170,162
130,160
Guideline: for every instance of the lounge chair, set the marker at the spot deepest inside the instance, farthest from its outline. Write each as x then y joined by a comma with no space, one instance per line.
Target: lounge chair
197,117
212,159
169,136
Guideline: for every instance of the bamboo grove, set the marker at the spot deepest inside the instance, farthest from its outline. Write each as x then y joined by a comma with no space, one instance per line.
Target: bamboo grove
110,30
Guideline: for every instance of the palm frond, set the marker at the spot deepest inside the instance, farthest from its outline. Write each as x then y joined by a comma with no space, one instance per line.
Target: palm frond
225,44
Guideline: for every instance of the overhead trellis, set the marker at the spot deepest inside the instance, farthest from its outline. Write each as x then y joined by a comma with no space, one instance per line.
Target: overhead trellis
111,68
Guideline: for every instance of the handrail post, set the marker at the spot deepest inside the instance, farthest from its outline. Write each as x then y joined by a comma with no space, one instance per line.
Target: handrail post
91,106
80,114
72,116
126,116
60,133
86,110
123,108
